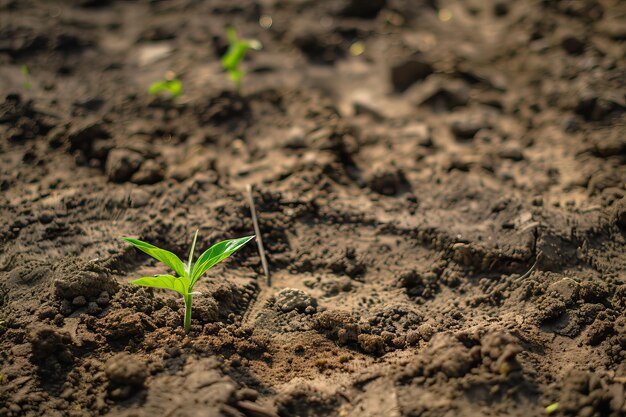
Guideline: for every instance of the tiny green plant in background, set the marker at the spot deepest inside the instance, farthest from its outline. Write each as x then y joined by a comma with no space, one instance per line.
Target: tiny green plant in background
25,77
171,85
236,52
188,274
552,408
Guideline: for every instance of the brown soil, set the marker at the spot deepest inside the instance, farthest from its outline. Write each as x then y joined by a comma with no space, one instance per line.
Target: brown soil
403,195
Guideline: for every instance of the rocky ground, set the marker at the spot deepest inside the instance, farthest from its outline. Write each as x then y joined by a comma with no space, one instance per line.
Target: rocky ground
440,187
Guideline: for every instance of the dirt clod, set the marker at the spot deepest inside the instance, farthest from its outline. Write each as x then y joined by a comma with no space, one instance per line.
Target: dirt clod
386,179
125,369
122,164
371,343
77,278
124,325
290,299
48,343
409,71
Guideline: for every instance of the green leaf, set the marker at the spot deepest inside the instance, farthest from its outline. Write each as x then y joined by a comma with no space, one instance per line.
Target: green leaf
25,77
167,257
173,87
168,282
237,50
552,408
216,254
254,44
234,55
193,247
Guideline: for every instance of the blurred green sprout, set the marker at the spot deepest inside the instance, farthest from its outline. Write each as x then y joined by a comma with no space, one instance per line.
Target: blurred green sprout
26,77
236,52
552,408
170,85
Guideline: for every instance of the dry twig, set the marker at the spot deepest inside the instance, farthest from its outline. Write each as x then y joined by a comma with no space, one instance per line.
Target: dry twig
259,239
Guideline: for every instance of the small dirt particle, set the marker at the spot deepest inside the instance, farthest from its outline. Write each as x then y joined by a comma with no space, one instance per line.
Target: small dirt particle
441,95
124,325
46,312
93,308
386,178
446,354
594,292
371,343
619,213
514,154
572,45
126,373
122,164
79,301
466,127
46,217
47,342
103,299
426,331
139,197
247,394
550,308
502,350
348,334
83,135
413,337
409,71
567,289
150,172
598,332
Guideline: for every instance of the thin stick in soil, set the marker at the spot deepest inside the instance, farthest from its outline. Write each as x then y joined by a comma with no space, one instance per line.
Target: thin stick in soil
259,239
531,270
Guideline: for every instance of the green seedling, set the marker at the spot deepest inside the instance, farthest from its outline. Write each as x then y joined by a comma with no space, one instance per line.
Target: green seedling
188,274
173,87
552,408
236,52
25,77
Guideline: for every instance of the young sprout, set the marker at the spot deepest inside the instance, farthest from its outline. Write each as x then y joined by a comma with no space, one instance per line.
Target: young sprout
170,85
25,77
235,54
188,274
